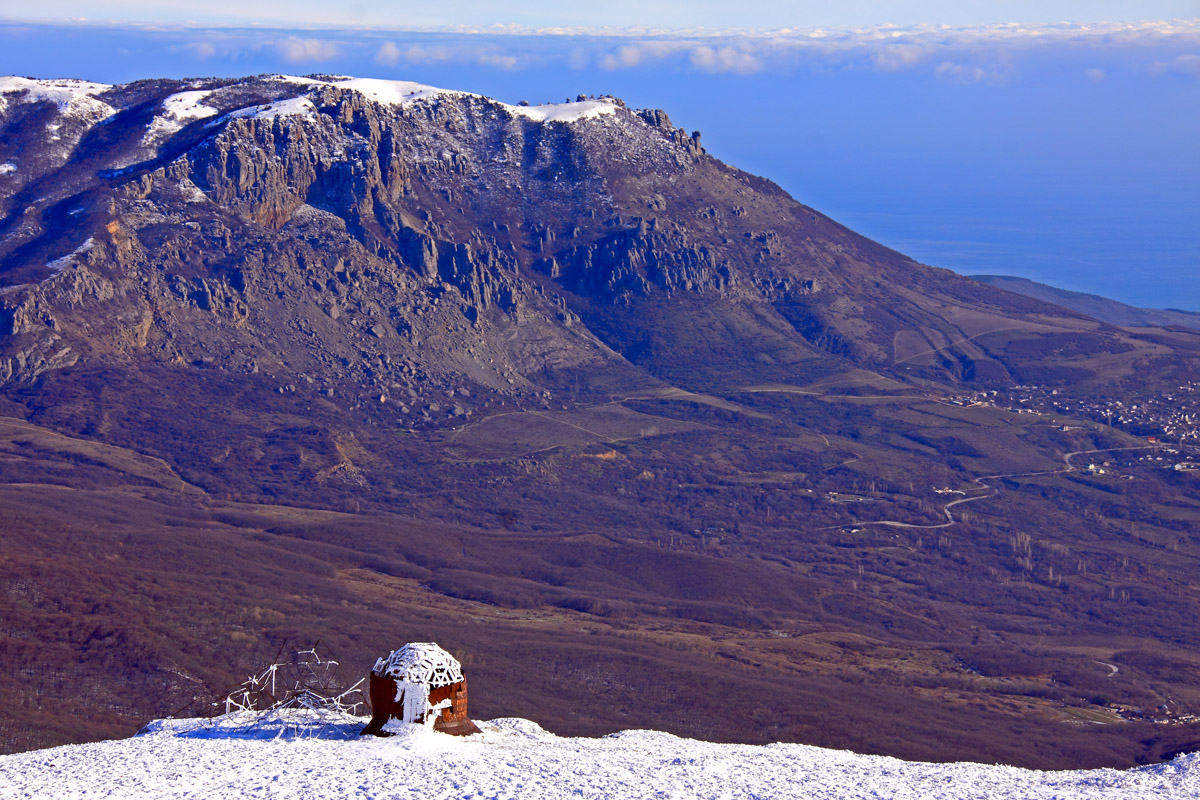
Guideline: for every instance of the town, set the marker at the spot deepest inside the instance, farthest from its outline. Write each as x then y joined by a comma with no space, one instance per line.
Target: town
1170,417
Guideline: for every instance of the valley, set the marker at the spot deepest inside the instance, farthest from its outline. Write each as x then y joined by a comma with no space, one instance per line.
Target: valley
365,362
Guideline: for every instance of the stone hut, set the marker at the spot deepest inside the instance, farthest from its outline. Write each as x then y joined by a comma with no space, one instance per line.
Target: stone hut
419,683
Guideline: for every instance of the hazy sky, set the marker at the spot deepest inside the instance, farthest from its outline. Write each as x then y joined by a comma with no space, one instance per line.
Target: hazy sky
620,13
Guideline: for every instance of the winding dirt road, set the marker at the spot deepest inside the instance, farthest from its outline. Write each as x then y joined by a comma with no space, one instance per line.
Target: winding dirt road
988,491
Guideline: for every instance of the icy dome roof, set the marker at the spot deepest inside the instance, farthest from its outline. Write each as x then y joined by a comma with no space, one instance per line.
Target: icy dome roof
421,662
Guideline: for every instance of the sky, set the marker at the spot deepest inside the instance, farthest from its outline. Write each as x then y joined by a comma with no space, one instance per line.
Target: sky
611,13
1053,140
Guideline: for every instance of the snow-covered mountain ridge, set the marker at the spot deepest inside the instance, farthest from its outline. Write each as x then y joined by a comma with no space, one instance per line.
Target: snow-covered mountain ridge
78,95
295,756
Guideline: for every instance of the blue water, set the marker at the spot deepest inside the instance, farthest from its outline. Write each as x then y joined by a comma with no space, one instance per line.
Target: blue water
1091,188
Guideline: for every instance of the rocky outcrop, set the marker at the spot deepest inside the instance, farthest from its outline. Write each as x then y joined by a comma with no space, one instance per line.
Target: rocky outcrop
633,261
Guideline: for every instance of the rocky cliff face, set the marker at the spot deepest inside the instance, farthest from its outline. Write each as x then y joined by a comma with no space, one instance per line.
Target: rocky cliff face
390,239
311,237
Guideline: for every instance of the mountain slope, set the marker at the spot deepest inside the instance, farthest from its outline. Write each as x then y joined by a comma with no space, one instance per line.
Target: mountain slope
1095,306
441,223
385,361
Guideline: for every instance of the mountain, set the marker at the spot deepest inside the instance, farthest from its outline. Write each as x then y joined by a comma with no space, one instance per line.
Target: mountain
286,359
304,222
1094,306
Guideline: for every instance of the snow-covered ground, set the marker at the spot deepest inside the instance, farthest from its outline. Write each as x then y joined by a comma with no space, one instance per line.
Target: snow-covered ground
403,93
295,107
75,99
178,110
290,755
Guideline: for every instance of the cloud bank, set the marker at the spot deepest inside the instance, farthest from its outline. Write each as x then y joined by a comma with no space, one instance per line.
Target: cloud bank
300,51
482,53
979,54
975,53
988,54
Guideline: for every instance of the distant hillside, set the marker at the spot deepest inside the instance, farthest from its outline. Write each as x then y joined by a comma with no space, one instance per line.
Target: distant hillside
1095,306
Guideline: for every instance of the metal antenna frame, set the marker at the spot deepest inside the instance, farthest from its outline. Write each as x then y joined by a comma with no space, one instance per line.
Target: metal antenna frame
304,681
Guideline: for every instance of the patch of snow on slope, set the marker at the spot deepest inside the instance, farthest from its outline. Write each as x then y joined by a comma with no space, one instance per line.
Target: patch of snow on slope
295,107
402,93
177,111
7,168
73,97
296,754
59,264
395,93
188,106
564,112
392,93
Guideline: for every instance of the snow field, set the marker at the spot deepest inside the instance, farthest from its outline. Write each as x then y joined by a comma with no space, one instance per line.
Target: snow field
394,93
73,97
564,112
295,107
402,93
290,756
177,111
187,106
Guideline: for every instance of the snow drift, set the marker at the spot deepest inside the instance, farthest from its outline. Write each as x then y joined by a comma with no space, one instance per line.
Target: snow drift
300,754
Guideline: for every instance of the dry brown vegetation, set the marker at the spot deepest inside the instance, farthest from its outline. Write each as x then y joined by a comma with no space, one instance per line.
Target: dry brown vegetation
677,553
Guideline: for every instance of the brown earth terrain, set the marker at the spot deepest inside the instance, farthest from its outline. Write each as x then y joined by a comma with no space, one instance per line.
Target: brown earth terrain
639,438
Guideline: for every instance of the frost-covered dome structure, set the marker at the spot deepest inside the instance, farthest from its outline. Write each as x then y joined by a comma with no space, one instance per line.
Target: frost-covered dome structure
421,662
419,683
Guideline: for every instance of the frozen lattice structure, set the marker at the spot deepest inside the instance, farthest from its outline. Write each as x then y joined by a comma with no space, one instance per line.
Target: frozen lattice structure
419,683
300,695
304,681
